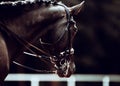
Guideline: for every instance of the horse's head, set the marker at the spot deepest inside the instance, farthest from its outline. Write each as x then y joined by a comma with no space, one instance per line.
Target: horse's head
58,40
49,22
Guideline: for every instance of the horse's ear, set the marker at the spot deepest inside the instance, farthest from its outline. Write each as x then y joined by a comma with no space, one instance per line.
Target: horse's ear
76,9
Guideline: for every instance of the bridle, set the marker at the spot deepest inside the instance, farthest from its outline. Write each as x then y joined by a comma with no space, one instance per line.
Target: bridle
53,58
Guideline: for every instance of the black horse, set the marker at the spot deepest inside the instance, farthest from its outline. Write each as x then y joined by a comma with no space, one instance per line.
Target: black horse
41,28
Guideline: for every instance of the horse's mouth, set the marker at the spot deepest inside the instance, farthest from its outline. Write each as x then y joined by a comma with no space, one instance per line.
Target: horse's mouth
66,72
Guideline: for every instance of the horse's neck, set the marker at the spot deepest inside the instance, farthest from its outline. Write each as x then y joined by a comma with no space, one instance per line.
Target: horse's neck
26,24
37,22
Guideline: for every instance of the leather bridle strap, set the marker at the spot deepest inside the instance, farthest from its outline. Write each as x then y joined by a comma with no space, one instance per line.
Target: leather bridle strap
68,15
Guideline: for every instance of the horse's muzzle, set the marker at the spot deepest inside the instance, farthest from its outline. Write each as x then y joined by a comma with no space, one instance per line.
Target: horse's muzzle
67,72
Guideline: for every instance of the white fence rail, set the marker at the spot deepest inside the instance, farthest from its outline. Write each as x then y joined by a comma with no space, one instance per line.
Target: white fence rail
36,78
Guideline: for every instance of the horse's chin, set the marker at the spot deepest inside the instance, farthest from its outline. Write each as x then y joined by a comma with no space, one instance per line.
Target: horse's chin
66,73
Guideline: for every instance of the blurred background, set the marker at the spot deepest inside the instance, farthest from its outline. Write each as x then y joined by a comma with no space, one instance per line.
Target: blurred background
97,43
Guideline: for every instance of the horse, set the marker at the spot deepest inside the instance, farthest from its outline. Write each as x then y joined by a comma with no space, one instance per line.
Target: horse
40,28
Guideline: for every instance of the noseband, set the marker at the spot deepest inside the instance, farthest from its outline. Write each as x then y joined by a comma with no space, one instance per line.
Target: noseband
66,53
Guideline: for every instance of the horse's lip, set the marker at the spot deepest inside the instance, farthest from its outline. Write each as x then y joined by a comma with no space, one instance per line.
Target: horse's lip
64,74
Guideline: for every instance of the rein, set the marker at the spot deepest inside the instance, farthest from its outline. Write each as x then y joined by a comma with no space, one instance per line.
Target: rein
46,55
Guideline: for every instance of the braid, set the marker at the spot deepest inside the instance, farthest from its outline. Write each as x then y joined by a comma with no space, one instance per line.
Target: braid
19,6
25,2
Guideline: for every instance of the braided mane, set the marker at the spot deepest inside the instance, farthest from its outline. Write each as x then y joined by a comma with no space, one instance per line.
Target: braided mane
13,8
24,2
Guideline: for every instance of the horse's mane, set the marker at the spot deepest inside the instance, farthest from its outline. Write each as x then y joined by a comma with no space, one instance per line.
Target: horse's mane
24,2
18,7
